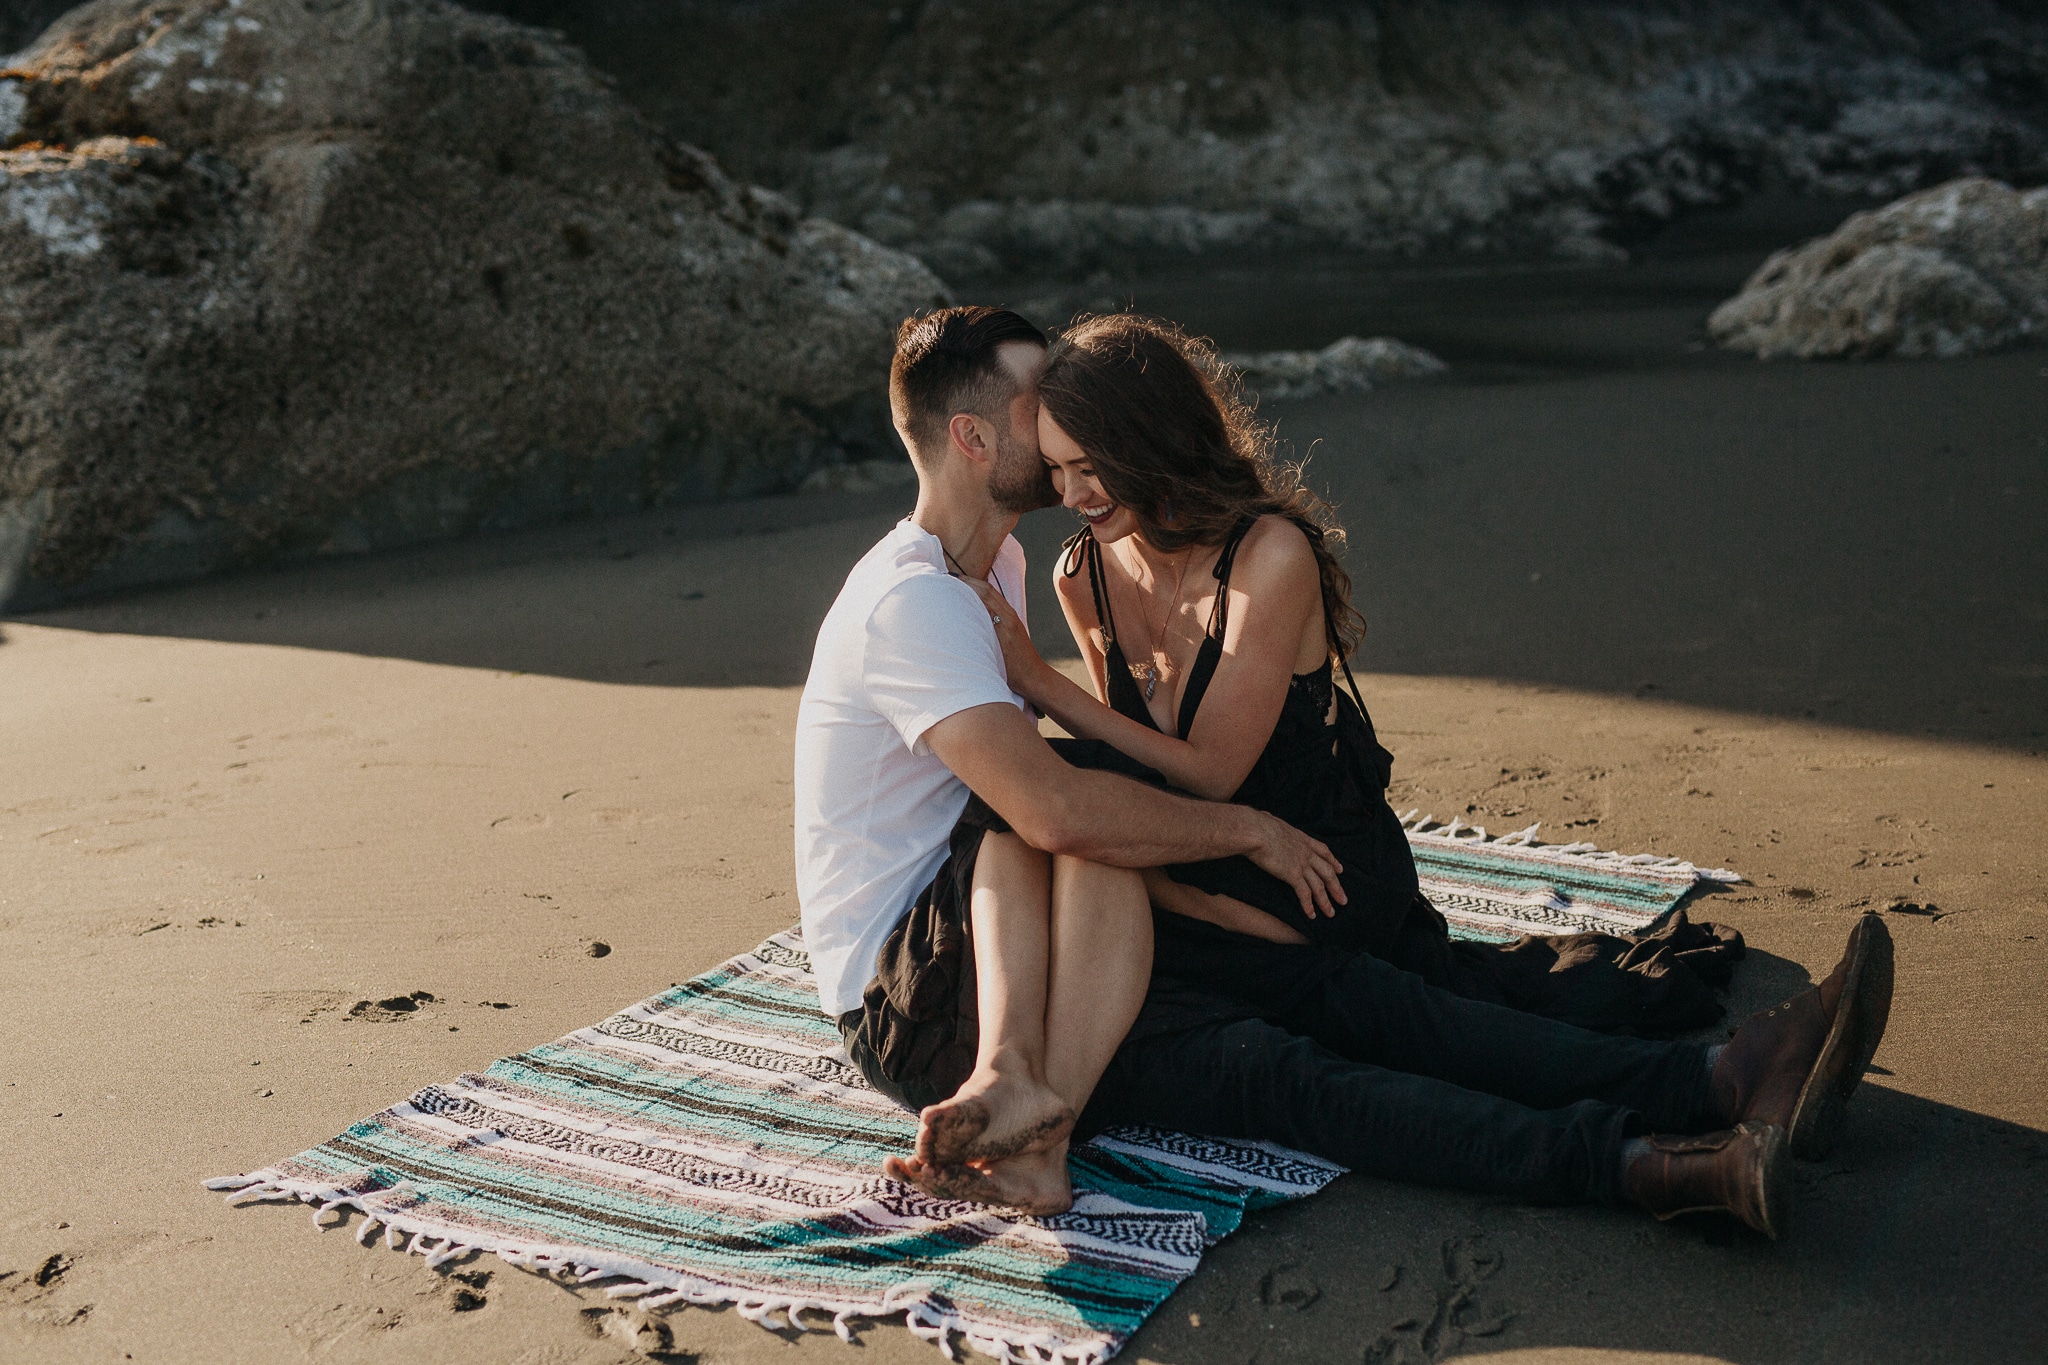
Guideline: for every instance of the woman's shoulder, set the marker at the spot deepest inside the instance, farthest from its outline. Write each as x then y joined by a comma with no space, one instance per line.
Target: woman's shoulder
1070,581
1274,547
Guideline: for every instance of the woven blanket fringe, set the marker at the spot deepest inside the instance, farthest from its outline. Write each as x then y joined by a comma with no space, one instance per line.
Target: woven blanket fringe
1457,831
655,1287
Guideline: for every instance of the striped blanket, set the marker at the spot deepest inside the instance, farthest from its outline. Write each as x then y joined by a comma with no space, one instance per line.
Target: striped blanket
1496,888
713,1145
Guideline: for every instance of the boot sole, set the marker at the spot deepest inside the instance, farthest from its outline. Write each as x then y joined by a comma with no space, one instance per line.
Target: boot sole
1773,1213
1860,1017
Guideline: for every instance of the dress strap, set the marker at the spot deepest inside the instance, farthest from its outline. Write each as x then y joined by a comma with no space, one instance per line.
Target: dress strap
1219,614
1352,683
1082,550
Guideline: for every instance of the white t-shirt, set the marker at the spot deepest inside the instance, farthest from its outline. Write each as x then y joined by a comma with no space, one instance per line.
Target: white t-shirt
905,646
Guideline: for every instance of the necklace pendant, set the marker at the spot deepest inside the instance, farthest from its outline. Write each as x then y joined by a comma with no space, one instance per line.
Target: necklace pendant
1148,674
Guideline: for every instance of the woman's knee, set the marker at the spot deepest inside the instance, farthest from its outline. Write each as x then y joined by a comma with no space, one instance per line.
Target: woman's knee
1001,849
1067,865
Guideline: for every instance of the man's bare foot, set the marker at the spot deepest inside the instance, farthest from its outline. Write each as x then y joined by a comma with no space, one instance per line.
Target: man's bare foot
994,1115
1035,1182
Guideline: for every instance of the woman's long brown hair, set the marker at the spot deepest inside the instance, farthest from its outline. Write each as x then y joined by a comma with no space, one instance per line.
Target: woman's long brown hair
1169,433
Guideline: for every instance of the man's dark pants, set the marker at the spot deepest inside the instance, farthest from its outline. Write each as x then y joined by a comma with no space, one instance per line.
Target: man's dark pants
1369,1066
1379,1071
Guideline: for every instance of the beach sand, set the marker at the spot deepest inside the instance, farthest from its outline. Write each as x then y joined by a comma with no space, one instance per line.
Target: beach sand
1787,619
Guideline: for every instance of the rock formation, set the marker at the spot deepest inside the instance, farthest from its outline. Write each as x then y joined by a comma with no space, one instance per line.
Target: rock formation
289,278
1954,270
1045,134
1347,365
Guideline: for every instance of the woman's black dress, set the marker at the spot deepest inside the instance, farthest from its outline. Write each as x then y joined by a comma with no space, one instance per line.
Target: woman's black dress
1329,779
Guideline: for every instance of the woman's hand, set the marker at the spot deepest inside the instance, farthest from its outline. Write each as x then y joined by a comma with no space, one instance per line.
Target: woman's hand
1225,912
1021,659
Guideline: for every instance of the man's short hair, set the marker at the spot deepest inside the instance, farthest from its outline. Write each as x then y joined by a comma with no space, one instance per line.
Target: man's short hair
946,363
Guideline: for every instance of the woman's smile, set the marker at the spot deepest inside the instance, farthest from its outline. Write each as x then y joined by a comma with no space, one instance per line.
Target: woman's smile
1073,477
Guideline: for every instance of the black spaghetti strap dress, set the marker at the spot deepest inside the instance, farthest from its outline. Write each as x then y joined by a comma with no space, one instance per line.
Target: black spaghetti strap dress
1325,772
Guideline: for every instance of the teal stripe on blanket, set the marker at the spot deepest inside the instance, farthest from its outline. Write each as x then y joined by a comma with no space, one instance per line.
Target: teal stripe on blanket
712,1145
1494,889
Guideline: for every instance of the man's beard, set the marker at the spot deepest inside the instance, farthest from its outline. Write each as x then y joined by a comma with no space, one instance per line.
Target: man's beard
1020,482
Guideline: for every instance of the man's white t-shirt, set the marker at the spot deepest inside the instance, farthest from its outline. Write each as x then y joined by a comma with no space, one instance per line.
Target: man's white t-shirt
905,646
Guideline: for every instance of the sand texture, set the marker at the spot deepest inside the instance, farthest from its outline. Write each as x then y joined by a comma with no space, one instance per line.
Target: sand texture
1785,619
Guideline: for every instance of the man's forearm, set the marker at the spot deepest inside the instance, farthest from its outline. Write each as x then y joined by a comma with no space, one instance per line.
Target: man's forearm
1113,820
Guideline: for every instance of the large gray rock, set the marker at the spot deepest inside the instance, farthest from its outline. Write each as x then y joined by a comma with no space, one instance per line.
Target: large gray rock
1047,134
286,278
1955,270
1346,365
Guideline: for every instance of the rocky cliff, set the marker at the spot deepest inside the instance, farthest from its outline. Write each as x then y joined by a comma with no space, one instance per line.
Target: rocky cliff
1051,133
282,278
1955,270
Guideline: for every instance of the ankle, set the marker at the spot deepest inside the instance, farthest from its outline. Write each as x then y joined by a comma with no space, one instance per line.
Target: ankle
1632,1151
1010,1064
1724,1092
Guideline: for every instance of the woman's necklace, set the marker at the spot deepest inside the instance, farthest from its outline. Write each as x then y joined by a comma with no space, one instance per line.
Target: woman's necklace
1157,663
958,572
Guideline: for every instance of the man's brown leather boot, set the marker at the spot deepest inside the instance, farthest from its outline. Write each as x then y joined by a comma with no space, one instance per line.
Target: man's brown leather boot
1746,1172
1796,1064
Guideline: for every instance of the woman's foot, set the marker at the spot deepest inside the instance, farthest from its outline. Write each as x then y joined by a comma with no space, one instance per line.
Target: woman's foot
1034,1182
995,1114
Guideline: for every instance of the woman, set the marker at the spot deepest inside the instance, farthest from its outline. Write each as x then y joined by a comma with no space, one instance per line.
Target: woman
1207,600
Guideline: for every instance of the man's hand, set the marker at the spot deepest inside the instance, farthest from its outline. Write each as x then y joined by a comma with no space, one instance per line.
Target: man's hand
1303,863
1021,659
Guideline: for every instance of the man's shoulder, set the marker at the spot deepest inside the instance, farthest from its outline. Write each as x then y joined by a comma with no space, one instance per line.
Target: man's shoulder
900,557
922,602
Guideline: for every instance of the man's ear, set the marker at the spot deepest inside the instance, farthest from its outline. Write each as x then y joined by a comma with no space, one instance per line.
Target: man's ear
971,437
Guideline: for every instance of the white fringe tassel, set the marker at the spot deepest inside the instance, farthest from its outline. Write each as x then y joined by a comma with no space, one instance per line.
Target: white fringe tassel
1457,831
654,1287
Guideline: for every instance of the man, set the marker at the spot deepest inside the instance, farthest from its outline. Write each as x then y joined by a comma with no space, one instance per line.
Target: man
979,926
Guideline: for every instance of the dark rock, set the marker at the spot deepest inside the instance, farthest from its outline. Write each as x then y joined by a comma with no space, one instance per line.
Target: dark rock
290,279
1048,134
1951,271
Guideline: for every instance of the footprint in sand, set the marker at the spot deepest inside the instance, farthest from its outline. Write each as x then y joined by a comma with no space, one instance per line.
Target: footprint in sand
648,1336
1287,1285
32,1289
391,1008
1458,1313
467,1294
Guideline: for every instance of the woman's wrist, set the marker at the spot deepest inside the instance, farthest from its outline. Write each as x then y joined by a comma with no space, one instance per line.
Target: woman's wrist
1051,691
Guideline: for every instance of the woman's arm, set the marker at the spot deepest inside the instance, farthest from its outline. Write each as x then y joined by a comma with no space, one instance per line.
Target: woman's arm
1275,598
1226,912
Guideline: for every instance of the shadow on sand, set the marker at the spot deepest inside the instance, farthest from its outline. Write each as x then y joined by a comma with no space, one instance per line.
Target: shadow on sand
1859,545
1919,1238
1592,499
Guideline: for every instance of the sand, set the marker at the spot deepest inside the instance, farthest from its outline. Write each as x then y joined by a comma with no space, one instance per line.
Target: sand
1791,620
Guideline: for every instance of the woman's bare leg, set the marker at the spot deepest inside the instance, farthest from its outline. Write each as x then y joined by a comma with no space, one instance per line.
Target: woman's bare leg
1005,1105
1063,953
1101,965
